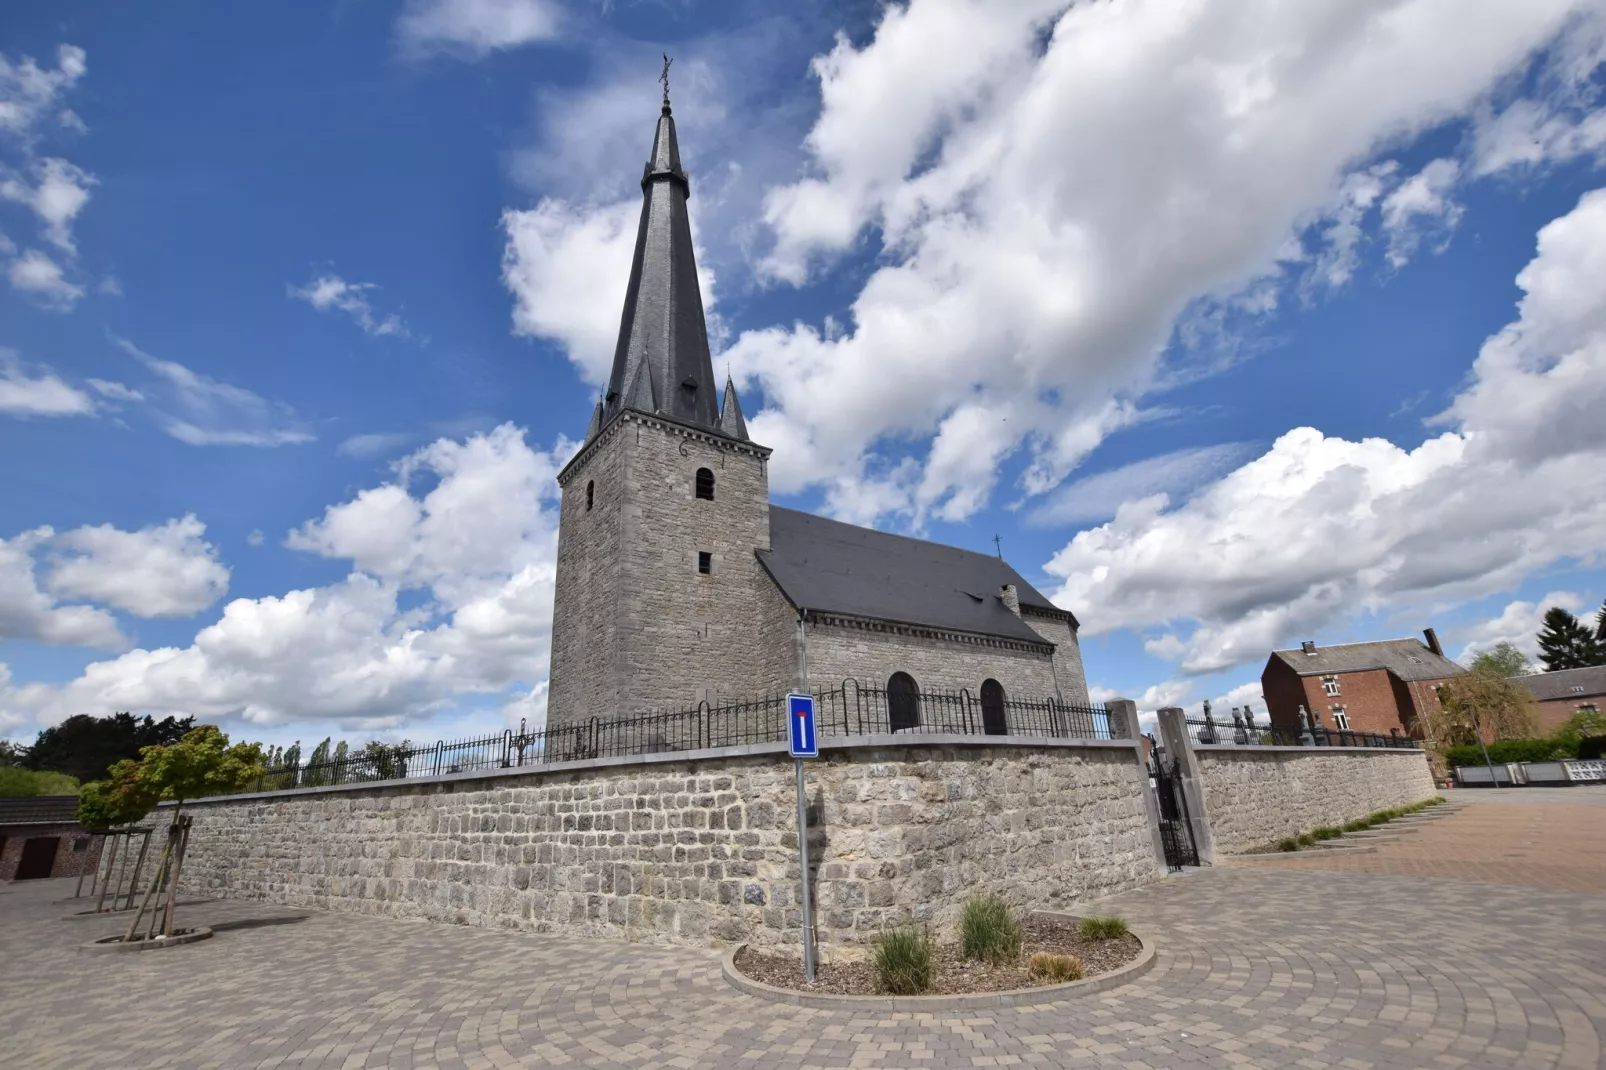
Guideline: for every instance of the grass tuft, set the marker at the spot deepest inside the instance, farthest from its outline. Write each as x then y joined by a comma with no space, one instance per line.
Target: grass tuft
989,929
1290,844
905,961
1306,839
1055,968
1327,832
1104,928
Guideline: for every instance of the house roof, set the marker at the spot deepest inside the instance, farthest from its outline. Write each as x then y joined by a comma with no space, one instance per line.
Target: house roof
39,810
1409,659
1565,684
829,566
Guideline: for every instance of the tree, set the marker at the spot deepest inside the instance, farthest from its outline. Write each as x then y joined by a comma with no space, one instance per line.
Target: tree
16,782
1600,624
1581,725
12,754
1483,700
1564,643
87,747
200,764
121,799
1503,660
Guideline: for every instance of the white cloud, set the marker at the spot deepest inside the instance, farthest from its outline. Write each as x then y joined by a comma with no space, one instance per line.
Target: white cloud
30,93
1318,527
473,28
36,274
375,444
1051,187
202,411
1517,624
1419,207
165,570
60,192
1098,497
1558,119
115,391
255,537
480,545
26,612
42,395
333,292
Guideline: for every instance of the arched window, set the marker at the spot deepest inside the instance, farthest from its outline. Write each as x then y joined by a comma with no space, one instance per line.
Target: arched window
591,493
903,702
705,484
993,720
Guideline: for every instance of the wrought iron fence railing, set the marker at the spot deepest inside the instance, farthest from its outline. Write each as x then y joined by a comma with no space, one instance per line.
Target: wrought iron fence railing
849,710
1242,732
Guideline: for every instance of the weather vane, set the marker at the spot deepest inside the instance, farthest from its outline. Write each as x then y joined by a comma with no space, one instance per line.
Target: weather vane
664,78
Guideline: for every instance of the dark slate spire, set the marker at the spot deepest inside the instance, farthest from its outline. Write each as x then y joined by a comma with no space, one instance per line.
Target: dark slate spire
661,363
730,413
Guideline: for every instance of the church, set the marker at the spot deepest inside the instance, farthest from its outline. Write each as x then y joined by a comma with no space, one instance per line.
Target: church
678,582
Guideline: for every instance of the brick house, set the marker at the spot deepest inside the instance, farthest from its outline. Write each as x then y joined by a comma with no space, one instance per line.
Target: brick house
1388,687
1559,695
678,582
40,837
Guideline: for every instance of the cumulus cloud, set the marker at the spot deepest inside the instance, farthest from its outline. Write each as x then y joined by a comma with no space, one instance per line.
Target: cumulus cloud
1319,526
34,273
328,292
1065,184
59,192
31,94
1421,207
473,28
165,570
465,529
43,394
26,612
202,411
1518,624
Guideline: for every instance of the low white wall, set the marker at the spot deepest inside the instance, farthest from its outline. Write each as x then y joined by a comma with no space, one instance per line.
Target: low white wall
1256,796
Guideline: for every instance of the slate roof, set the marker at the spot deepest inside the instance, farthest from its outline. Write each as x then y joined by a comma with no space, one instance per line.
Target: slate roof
830,566
1409,659
1548,686
39,810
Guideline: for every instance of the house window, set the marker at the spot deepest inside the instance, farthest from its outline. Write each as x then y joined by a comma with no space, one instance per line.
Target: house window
903,702
1341,718
1330,685
705,484
705,562
591,493
1578,689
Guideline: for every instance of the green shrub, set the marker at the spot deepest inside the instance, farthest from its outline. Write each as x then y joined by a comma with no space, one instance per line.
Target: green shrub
905,961
1306,839
1290,844
1103,928
1055,968
1358,825
1327,832
989,929
1513,750
1592,747
16,782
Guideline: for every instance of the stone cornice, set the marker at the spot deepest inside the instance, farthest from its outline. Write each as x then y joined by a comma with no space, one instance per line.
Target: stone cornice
662,423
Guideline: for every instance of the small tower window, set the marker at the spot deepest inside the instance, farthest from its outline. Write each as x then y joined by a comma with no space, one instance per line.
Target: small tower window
705,562
705,484
591,493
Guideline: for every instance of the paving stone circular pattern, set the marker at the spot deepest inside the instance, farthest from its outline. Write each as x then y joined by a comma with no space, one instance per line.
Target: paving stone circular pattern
1255,968
117,945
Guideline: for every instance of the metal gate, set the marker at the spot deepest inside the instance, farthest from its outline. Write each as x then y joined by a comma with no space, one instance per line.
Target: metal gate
1176,834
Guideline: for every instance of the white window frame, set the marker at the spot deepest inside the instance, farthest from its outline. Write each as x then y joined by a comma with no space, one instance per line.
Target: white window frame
1341,718
1330,685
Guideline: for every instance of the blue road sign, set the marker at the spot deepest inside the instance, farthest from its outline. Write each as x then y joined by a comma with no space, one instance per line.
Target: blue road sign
805,740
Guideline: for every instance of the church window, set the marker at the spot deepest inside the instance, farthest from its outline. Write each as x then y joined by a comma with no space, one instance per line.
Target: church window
903,702
705,484
705,562
994,722
591,493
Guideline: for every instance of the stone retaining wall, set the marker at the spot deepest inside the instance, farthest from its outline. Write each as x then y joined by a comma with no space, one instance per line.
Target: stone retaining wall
699,850
1255,796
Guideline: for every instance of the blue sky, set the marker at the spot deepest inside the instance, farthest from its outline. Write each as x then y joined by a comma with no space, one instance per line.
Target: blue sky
305,304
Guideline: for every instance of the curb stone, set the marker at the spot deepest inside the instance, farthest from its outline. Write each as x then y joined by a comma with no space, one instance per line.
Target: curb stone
116,946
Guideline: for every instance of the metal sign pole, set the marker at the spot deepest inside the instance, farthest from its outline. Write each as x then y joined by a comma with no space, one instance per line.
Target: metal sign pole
803,873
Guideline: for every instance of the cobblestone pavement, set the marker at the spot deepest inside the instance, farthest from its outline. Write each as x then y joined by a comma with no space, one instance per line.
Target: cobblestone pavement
1258,966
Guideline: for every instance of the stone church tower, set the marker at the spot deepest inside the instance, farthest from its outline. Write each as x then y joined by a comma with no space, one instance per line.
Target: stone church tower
678,582
658,585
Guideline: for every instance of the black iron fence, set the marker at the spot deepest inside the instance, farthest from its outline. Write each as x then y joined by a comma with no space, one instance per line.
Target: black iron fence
1241,731
848,710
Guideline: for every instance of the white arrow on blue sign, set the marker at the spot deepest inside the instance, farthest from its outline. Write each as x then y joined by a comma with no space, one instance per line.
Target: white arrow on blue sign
805,741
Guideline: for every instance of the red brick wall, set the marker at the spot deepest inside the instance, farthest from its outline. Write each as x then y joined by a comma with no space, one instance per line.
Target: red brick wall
1368,697
1280,686
68,862
1553,714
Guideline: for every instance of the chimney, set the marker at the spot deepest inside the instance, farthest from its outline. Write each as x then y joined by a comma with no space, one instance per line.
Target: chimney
1433,642
1011,598
1308,646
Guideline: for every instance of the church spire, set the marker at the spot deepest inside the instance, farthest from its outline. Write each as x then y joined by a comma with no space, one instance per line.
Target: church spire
661,363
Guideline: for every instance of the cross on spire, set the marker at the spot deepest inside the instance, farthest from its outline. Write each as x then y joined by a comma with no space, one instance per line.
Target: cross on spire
999,543
664,78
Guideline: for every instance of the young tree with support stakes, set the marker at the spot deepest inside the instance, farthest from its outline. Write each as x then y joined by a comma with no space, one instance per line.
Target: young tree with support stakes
114,803
200,764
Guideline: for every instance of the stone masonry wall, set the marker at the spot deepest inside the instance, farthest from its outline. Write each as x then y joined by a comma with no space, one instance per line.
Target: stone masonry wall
870,656
698,850
1067,663
1255,796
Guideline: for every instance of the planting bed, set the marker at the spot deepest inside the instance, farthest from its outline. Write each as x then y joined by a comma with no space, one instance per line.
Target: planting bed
954,975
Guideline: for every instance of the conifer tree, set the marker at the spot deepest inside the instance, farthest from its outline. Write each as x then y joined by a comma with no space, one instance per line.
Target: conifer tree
1564,642
1600,624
